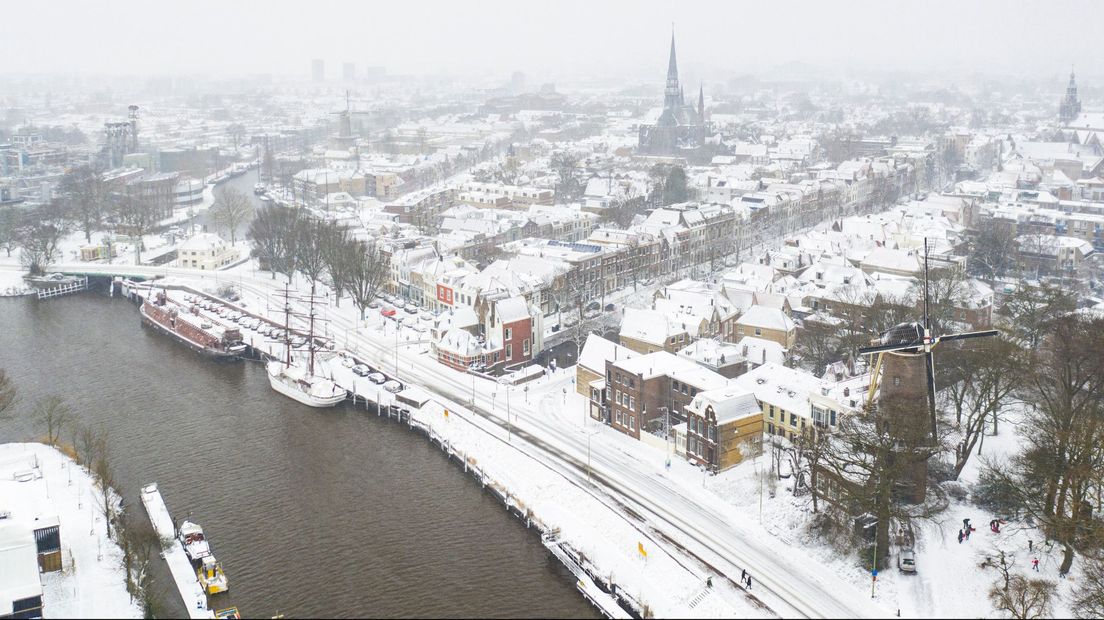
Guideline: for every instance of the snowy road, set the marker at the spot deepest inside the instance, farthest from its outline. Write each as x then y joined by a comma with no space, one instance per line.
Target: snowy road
787,580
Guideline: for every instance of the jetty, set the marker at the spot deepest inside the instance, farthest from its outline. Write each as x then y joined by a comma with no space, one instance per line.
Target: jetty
187,583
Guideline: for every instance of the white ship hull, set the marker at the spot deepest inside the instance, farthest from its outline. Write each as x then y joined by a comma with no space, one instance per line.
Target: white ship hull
296,385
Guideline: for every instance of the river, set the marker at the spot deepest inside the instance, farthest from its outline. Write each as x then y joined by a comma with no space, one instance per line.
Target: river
333,513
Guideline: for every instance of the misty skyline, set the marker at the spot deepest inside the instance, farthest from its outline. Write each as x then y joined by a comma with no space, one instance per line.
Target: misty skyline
546,41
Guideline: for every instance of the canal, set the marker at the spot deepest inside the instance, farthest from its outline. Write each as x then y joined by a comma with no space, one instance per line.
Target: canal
333,513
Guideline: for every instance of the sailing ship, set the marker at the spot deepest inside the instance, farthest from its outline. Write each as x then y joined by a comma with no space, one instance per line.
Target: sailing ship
299,382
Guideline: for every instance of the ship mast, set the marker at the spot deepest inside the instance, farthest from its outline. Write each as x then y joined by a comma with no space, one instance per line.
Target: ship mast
310,334
287,324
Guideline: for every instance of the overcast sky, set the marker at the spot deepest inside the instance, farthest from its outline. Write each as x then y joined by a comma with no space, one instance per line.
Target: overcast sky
550,39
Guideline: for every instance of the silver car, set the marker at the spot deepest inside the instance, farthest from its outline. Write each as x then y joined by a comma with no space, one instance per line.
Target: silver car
906,561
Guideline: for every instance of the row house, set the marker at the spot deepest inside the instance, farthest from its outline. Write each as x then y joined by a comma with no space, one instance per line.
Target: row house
648,393
424,207
723,427
507,196
500,335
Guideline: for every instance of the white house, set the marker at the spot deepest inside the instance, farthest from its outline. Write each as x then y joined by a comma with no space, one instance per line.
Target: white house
205,251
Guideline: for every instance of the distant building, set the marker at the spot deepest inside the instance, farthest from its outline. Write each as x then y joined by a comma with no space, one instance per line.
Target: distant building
680,127
318,70
1071,105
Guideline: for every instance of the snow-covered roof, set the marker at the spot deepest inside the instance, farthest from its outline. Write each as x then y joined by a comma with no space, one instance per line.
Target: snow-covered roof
729,403
203,242
512,309
766,318
597,351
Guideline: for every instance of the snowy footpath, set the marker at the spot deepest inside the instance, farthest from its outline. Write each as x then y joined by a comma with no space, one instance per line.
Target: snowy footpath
38,480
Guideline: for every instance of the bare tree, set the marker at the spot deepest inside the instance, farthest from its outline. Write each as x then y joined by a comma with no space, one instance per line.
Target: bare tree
86,197
369,270
53,414
274,233
819,343
986,376
993,251
1062,462
1088,600
1024,599
1030,310
136,216
231,210
139,541
40,237
338,253
9,229
8,397
105,478
309,257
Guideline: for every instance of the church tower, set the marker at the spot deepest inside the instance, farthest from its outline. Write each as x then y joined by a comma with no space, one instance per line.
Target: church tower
1071,105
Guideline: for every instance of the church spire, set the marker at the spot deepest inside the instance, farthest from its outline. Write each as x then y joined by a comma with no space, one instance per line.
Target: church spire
701,102
672,64
672,94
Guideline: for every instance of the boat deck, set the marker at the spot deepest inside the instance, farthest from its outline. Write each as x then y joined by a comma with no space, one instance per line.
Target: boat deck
195,600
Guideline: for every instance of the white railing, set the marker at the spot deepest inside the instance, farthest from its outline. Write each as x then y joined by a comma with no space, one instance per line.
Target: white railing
74,286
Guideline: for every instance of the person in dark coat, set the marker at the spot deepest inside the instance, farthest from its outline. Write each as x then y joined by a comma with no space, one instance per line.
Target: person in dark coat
960,536
749,581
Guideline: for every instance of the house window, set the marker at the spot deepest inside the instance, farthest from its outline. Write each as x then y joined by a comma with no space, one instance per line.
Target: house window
632,423
758,332
509,334
525,347
632,403
793,419
771,414
509,351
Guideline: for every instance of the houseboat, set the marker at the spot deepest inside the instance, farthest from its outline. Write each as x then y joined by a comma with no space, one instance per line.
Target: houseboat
186,325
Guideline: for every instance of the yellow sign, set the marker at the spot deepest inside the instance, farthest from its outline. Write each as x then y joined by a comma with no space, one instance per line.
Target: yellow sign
640,548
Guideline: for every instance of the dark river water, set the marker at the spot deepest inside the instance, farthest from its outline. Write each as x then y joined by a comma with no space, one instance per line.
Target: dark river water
311,512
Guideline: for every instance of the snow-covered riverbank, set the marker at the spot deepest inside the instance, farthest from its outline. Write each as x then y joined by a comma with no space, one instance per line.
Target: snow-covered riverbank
91,583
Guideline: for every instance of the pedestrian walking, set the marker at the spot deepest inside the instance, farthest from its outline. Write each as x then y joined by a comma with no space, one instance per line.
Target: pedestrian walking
1035,565
960,537
749,582
1030,545
966,524
743,575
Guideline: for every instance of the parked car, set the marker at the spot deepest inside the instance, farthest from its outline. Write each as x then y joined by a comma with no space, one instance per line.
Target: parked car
348,362
410,309
389,312
426,316
392,386
418,328
361,370
373,304
377,377
906,561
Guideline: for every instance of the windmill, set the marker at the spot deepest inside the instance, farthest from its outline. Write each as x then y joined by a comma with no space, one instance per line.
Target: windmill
904,353
345,137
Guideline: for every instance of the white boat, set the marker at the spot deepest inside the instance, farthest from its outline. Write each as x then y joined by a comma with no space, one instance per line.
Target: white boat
195,544
296,383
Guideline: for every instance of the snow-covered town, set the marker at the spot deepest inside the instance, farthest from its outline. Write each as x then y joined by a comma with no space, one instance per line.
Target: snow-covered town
431,326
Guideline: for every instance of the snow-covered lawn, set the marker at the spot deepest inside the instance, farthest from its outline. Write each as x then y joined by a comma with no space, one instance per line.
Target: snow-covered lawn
950,582
91,583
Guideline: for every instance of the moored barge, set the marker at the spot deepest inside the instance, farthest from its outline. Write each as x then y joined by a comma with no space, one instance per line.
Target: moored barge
199,333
